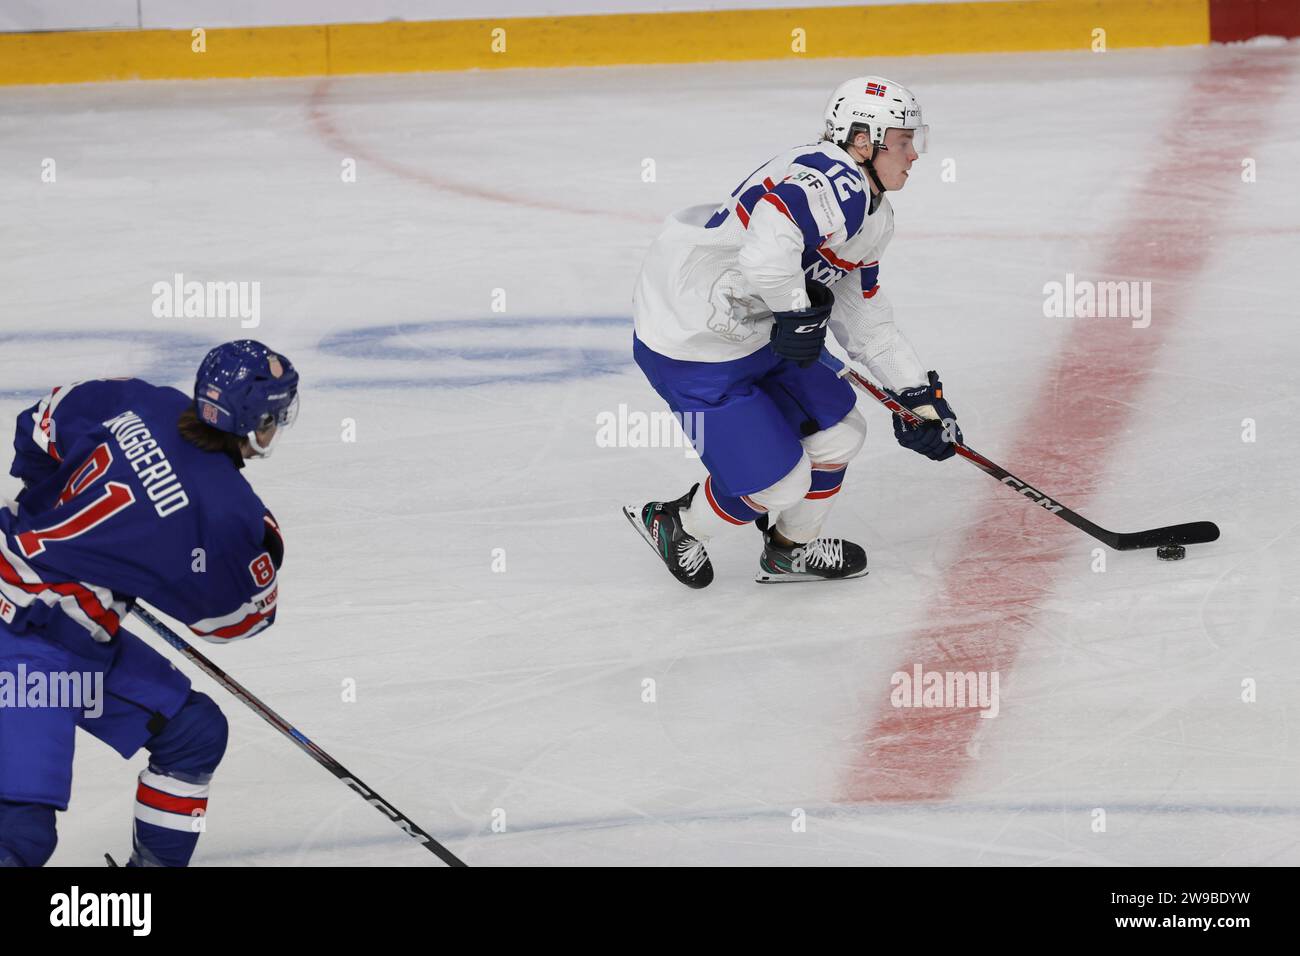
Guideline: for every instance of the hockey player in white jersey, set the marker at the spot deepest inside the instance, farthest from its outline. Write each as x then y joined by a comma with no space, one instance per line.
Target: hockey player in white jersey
731,310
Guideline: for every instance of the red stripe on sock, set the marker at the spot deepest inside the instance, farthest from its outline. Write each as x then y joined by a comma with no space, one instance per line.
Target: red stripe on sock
165,801
824,494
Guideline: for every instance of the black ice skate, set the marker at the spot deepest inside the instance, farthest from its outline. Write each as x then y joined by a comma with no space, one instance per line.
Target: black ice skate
660,524
820,560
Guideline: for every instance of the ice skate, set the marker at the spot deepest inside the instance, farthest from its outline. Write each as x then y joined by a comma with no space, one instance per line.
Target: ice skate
660,524
819,560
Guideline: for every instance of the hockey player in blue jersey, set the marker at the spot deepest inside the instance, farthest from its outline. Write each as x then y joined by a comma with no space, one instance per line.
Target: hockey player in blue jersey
731,310
131,491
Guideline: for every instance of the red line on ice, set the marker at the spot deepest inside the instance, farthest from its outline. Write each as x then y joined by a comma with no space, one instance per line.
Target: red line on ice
987,605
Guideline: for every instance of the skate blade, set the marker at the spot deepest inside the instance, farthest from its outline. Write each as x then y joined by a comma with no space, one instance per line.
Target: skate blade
764,578
633,514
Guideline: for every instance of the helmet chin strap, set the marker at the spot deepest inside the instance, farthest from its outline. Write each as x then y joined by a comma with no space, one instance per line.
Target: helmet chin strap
871,170
260,451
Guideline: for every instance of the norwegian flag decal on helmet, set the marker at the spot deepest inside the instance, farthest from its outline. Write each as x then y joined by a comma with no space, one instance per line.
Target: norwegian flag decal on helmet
875,89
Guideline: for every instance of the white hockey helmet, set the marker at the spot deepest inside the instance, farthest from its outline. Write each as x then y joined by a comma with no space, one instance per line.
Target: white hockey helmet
874,105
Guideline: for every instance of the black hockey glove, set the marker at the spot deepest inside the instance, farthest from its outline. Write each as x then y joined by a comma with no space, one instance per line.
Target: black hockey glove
932,439
798,335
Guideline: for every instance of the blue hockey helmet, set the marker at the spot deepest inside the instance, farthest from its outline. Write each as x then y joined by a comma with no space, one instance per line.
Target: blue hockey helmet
243,387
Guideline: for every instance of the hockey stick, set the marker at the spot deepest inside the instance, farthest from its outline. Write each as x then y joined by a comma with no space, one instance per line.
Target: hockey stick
1193,532
313,751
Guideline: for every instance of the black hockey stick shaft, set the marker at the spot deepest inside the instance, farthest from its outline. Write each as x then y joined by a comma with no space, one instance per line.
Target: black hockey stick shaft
403,822
1194,532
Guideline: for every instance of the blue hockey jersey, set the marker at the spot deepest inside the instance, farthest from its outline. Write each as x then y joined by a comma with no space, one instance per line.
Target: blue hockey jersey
117,505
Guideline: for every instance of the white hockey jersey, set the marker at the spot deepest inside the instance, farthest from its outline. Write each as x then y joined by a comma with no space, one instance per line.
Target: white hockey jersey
714,276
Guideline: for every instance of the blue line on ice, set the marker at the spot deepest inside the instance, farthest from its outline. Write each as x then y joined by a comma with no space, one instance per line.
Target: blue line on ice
537,353
534,342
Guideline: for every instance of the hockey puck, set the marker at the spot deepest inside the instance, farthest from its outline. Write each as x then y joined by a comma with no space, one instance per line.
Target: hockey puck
1171,552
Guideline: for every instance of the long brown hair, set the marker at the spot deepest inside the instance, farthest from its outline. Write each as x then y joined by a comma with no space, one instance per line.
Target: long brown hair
206,437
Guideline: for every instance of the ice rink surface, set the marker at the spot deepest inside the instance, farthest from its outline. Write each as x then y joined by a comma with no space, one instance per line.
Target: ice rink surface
1148,711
